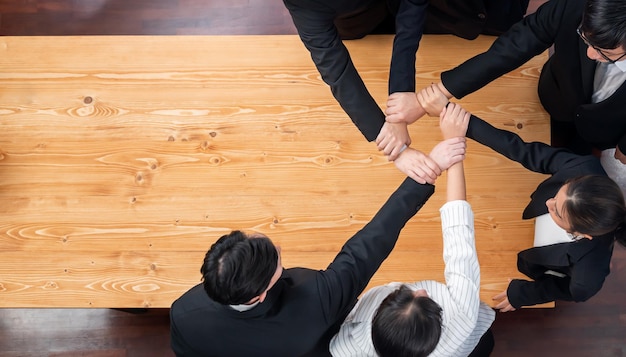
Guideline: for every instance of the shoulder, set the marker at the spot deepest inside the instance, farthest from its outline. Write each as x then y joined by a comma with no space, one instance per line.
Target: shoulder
190,303
597,251
578,165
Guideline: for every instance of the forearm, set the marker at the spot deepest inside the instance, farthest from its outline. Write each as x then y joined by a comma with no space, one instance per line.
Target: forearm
362,255
409,28
444,90
456,182
534,156
358,103
332,59
462,271
524,40
546,289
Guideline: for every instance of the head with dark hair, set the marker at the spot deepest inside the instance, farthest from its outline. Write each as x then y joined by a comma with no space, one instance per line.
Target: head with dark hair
239,268
604,23
594,205
406,324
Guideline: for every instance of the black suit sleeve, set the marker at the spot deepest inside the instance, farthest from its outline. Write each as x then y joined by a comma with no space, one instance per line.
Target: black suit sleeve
530,37
409,29
319,35
534,156
584,279
361,256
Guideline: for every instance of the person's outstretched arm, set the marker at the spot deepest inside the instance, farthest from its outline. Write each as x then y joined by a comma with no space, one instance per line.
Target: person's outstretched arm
316,28
402,102
453,123
462,271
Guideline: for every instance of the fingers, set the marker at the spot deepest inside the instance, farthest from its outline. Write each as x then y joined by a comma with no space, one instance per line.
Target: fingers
414,174
382,141
457,140
452,111
448,152
391,148
504,305
442,115
428,169
500,296
505,308
457,112
395,151
394,118
422,176
432,99
454,120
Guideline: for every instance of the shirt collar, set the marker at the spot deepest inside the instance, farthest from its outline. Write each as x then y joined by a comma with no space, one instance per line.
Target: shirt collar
621,65
244,307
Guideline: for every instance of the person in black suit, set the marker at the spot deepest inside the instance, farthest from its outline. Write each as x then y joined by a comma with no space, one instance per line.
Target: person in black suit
581,200
584,207
323,24
248,305
582,85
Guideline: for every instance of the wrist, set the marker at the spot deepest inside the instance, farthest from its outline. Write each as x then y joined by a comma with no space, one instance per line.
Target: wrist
443,90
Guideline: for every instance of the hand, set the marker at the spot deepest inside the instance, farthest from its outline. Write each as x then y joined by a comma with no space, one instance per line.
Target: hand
449,152
392,139
453,121
432,99
418,166
619,155
504,305
402,107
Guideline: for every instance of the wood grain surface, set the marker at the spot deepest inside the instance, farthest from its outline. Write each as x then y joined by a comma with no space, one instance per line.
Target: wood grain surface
122,159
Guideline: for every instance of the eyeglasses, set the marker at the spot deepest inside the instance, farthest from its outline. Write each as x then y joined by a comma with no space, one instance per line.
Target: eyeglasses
580,33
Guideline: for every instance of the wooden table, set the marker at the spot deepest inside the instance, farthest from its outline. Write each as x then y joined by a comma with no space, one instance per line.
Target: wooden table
122,159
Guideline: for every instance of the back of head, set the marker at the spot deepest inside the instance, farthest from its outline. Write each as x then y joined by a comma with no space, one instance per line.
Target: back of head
238,268
595,205
406,325
604,23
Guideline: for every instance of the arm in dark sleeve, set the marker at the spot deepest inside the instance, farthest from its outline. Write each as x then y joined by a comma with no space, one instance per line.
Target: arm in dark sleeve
361,256
319,35
409,29
524,40
548,288
584,280
534,156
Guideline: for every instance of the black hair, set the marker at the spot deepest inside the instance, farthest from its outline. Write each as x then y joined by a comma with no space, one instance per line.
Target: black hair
238,268
604,23
595,205
406,325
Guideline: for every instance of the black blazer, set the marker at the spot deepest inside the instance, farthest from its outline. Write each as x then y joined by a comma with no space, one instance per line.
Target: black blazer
470,18
319,22
584,262
305,307
566,81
